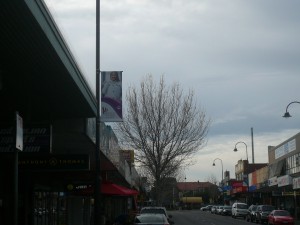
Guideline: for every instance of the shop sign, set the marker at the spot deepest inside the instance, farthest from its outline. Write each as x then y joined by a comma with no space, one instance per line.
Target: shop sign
239,189
36,138
226,188
252,188
51,162
296,183
285,149
128,155
290,193
236,184
272,181
284,180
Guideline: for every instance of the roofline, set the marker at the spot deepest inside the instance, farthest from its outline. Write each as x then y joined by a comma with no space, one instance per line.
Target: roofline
43,16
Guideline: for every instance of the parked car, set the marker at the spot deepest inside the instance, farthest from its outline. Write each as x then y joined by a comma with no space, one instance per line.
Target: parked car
157,210
251,213
213,209
277,217
219,209
262,213
239,210
206,208
226,210
151,219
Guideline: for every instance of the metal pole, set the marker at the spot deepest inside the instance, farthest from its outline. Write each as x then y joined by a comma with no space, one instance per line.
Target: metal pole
222,166
97,192
222,184
185,194
252,145
16,184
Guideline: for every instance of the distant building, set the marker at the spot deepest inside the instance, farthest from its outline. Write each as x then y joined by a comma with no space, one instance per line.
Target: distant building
191,192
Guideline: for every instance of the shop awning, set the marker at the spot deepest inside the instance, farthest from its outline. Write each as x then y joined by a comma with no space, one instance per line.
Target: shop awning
114,189
275,168
107,188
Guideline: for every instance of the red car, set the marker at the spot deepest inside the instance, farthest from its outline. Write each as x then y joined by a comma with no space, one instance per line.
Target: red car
280,217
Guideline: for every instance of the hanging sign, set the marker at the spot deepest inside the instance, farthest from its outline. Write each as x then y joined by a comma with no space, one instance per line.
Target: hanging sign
19,132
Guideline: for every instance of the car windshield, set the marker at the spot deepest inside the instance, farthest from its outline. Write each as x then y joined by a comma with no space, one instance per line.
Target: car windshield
242,206
156,211
281,213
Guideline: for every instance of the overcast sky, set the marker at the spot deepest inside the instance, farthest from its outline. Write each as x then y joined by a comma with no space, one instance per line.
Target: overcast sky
242,59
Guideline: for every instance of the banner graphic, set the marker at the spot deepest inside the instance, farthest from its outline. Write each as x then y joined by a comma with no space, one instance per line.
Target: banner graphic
111,96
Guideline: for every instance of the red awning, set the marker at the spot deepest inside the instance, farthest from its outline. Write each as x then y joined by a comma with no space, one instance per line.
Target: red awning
114,189
109,188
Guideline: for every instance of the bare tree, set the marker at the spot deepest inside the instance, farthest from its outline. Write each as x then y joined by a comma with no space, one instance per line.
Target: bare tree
165,128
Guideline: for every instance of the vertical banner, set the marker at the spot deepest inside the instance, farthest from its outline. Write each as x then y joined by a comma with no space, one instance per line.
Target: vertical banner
111,96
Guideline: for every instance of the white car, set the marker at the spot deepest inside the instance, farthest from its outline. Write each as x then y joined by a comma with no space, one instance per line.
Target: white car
157,210
239,210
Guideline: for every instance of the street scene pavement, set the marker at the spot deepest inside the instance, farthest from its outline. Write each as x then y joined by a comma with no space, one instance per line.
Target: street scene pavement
191,217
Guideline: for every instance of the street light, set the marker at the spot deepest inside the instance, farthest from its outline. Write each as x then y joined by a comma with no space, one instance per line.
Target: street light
221,164
287,114
235,149
98,214
222,174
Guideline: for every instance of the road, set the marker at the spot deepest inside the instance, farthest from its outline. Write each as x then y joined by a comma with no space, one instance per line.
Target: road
192,217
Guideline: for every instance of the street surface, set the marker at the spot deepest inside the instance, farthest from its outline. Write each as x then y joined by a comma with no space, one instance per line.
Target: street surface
197,217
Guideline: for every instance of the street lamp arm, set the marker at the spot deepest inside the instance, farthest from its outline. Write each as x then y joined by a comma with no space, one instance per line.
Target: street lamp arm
218,159
287,114
235,149
221,164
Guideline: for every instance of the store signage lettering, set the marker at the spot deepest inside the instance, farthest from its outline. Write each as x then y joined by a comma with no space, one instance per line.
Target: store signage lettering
32,161
284,180
291,193
285,148
272,181
35,139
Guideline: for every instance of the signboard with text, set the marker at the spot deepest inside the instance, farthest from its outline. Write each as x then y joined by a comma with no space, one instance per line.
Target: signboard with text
36,138
284,180
50,162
